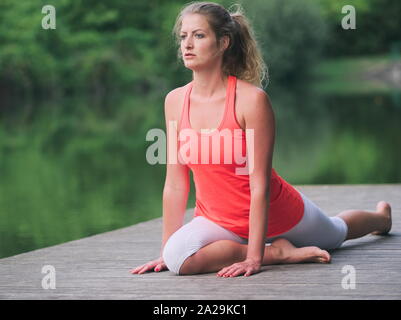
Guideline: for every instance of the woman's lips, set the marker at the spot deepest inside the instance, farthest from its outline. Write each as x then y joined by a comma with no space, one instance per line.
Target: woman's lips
188,56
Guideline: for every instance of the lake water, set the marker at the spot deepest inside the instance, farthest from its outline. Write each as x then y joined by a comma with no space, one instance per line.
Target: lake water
74,168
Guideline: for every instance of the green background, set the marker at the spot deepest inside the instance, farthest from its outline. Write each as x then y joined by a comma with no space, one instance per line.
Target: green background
76,104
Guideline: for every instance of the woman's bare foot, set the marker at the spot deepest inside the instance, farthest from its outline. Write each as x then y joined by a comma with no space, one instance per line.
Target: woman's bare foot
384,208
292,254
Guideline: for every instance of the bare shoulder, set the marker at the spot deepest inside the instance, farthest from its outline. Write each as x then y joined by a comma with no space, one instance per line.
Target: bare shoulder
174,102
250,100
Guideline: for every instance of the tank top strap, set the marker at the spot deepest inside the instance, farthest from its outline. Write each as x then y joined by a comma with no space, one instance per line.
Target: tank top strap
184,121
230,120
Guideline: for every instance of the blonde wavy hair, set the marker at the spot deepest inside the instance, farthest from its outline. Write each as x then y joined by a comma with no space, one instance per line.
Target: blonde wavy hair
243,57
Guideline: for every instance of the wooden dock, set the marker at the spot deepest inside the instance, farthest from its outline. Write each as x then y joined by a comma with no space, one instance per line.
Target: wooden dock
98,267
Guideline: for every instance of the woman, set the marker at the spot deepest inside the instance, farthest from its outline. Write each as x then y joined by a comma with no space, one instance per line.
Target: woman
237,214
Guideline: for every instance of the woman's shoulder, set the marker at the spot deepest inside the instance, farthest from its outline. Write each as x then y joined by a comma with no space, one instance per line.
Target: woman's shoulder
247,89
249,97
176,93
174,101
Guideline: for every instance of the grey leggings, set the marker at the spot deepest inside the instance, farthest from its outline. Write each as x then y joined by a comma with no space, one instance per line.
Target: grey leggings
314,229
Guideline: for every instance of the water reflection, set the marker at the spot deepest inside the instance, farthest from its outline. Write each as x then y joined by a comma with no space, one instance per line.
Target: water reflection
337,138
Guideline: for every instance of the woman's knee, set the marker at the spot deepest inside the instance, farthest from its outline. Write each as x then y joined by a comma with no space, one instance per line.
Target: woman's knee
181,248
179,251
171,255
190,265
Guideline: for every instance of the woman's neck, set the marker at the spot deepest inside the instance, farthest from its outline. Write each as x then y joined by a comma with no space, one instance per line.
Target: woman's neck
209,85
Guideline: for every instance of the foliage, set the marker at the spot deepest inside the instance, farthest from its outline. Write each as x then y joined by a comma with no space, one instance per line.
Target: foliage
105,46
377,30
96,47
291,34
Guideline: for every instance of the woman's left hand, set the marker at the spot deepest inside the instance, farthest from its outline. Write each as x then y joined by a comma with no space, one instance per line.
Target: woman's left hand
246,267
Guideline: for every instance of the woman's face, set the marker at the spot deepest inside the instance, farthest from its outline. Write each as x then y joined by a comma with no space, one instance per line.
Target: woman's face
198,39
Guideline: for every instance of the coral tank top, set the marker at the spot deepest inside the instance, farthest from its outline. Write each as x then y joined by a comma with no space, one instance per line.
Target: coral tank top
217,160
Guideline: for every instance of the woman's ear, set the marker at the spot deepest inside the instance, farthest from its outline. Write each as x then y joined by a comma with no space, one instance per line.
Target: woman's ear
225,42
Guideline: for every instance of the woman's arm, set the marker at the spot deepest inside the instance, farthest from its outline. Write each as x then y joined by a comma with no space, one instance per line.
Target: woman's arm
259,118
176,188
174,206
177,185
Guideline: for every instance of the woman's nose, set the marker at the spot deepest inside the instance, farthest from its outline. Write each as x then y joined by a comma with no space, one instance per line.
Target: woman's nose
188,42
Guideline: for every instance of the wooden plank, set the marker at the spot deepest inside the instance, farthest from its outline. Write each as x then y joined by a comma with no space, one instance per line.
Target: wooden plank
97,267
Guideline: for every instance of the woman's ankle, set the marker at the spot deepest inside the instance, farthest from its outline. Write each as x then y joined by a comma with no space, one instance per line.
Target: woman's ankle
274,255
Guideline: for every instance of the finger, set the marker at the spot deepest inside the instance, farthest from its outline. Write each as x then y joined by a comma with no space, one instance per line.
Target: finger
138,271
250,272
238,272
160,267
234,265
148,267
230,271
222,271
135,270
145,268
226,271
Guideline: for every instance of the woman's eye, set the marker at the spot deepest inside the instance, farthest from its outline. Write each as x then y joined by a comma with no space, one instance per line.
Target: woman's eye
182,37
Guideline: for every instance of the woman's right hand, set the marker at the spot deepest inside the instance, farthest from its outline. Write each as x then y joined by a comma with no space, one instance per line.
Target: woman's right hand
155,265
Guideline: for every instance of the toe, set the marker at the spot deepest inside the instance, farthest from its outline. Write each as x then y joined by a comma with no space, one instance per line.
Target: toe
382,206
325,256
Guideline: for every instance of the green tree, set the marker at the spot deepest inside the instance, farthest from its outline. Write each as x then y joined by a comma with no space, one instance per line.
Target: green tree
291,34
